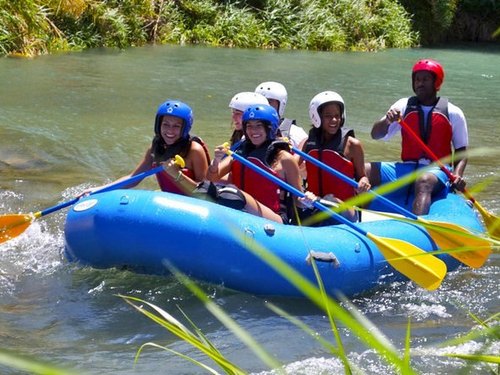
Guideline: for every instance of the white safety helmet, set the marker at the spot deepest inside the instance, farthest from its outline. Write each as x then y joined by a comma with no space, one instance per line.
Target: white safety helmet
323,98
276,91
242,100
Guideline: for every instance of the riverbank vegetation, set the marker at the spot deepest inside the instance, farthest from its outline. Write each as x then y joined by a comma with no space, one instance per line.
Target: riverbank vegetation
33,27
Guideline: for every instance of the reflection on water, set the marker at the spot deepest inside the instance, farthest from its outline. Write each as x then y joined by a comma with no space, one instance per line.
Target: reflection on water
76,120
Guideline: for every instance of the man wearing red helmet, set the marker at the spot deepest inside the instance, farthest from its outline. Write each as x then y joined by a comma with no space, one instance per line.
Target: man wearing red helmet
439,123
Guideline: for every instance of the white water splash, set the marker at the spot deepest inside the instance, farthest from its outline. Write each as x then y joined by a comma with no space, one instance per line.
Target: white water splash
310,366
36,251
424,311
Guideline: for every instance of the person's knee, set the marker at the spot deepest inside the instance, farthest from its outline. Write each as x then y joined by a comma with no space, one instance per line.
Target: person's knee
206,190
231,196
368,169
226,195
426,183
373,173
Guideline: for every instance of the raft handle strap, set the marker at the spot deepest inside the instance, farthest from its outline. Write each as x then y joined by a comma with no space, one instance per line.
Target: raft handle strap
320,256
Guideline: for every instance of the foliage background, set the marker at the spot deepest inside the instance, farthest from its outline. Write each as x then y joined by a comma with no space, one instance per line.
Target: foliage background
32,27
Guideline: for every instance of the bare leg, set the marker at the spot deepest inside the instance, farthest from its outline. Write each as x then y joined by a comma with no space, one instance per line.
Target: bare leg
373,173
424,187
254,207
350,214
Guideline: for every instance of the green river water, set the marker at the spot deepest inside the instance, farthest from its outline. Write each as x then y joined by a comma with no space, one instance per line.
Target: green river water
71,121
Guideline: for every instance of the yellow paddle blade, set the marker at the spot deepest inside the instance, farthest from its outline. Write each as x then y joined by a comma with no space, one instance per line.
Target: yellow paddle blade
13,225
424,269
491,221
477,249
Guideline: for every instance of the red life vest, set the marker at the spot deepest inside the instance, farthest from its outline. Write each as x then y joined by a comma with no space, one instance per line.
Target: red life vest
437,134
182,147
321,182
253,183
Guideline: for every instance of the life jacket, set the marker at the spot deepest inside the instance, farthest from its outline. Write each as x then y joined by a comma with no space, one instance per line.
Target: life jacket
180,148
321,182
437,135
253,183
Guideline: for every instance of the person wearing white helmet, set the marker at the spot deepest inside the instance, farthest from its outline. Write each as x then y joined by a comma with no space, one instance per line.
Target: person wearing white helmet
238,104
335,145
277,96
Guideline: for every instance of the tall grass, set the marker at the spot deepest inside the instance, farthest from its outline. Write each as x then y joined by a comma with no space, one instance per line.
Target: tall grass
26,28
33,27
346,313
31,365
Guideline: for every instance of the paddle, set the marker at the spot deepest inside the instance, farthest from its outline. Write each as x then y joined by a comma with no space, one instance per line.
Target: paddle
12,225
472,258
492,222
413,262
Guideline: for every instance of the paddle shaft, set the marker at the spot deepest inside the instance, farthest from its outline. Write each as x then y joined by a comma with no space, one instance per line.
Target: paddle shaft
353,183
117,185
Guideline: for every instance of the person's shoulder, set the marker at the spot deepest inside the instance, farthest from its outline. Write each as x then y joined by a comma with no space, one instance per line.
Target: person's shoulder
354,141
400,103
196,145
198,148
283,149
456,115
298,128
452,108
297,132
287,122
286,158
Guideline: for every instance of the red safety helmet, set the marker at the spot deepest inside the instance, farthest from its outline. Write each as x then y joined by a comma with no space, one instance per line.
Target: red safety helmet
431,66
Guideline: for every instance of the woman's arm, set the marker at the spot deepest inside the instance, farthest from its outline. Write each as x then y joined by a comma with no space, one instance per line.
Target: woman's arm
290,169
354,152
143,166
220,165
197,162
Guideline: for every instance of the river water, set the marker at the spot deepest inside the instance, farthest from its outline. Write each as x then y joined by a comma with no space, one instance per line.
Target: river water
72,121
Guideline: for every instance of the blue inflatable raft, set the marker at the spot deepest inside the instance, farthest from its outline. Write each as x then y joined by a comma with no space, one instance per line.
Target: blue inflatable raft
143,230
